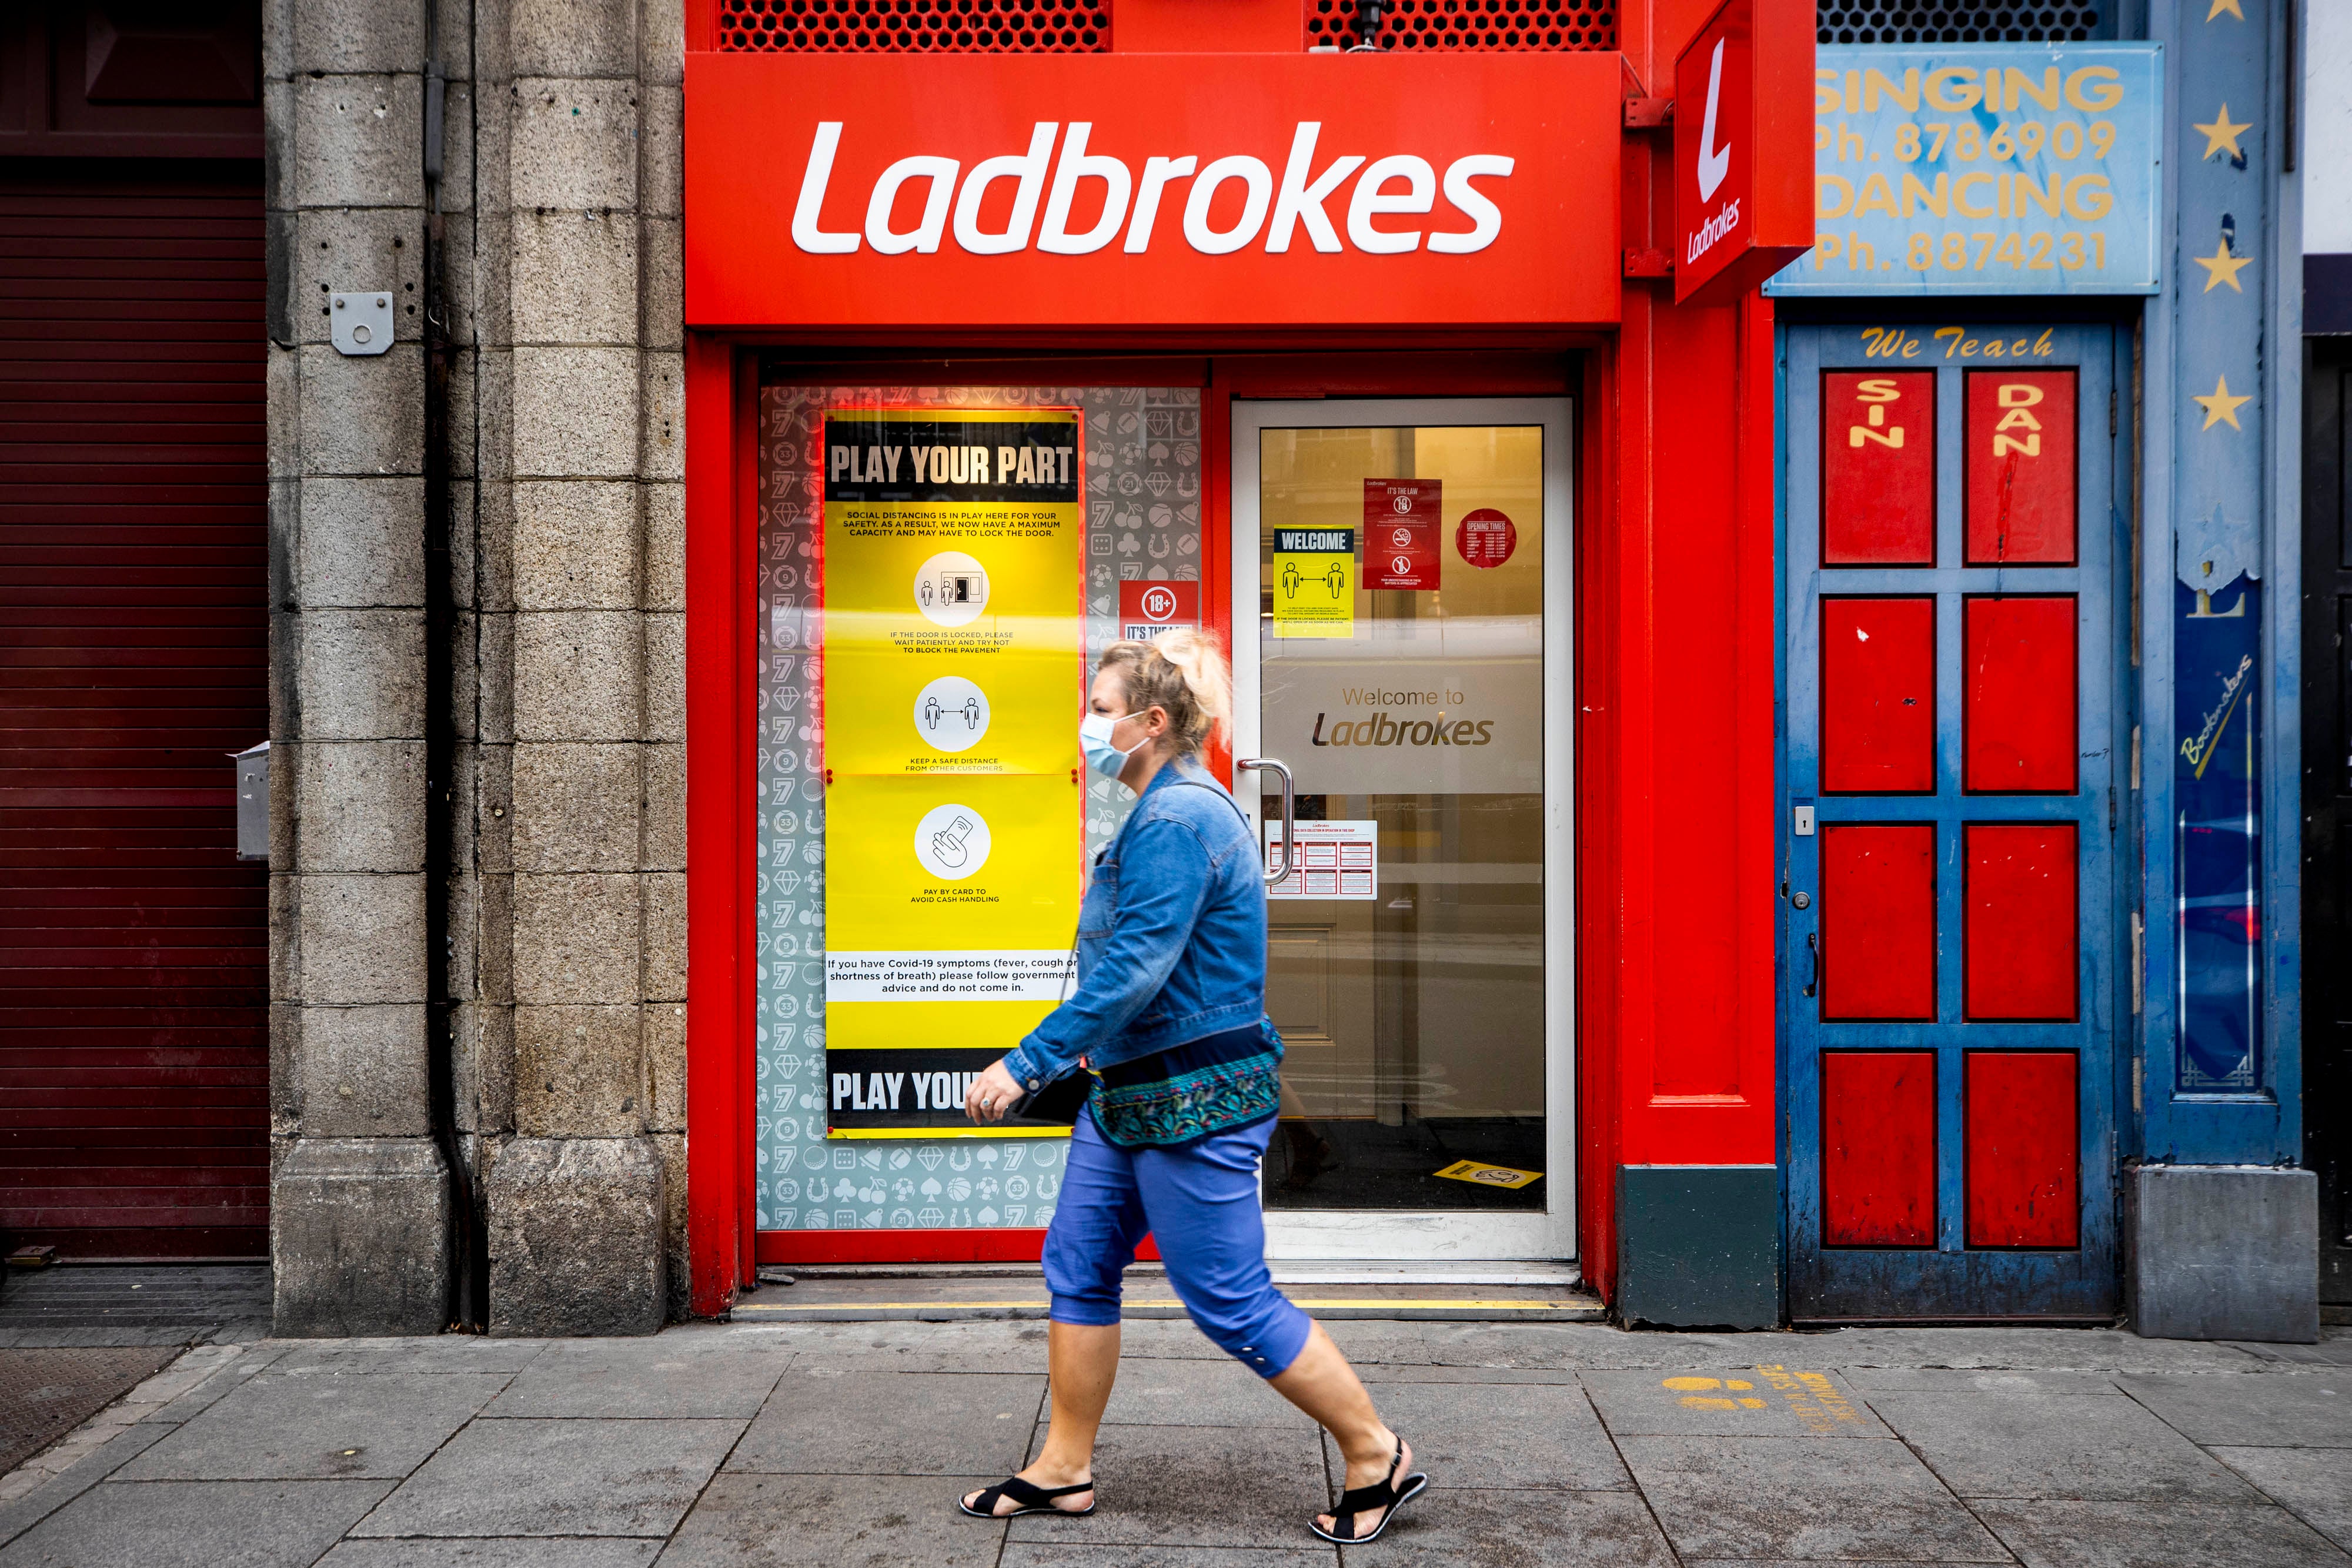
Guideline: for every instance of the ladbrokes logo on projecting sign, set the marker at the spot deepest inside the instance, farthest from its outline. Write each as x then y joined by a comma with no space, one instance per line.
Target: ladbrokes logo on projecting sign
1390,202
1131,190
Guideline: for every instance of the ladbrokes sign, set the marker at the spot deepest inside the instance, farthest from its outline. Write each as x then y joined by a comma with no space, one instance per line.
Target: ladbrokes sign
1071,191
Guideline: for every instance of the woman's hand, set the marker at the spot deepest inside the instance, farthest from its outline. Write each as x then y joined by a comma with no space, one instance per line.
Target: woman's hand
991,1094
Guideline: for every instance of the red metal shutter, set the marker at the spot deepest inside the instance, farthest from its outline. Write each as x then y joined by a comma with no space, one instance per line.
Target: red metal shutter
133,655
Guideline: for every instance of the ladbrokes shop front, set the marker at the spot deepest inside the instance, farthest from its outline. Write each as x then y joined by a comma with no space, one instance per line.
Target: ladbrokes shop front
1372,363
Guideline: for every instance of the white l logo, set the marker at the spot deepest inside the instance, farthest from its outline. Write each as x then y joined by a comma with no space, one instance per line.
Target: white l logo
1714,163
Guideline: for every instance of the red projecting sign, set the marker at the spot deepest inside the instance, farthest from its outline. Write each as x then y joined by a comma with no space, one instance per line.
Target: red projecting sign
1743,156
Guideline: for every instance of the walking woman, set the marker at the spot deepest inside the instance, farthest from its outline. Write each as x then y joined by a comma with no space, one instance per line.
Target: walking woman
1169,1012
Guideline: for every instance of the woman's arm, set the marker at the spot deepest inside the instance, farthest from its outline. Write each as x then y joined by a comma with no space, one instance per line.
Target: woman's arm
1164,870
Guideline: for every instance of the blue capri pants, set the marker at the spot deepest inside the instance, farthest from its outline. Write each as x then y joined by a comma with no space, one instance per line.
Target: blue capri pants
1199,1202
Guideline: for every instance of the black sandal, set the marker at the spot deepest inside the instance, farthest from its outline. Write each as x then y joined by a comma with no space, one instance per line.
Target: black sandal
1386,1494
1032,1498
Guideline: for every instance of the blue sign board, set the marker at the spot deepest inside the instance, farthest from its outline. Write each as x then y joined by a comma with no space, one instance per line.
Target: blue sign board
1984,169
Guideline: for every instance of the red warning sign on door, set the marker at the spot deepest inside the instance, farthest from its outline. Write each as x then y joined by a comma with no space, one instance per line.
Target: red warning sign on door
1400,518
1485,539
1147,609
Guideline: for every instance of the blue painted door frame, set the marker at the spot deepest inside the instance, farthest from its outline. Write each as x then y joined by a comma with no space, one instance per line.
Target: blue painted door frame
1949,1280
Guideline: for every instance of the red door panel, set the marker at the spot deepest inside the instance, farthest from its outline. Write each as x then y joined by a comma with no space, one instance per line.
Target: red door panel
2021,910
1878,921
1878,1149
1878,695
2020,467
1878,468
2017,724
2023,1149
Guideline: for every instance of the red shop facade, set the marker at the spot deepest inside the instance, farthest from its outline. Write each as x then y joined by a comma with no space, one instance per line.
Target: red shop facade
1278,296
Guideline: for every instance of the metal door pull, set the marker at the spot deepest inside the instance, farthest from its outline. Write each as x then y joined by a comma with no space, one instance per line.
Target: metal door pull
1289,815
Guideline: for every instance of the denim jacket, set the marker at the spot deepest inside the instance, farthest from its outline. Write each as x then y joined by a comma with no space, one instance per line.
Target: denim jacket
1172,936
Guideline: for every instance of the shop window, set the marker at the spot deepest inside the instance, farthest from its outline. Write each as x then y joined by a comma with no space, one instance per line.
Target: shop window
1473,25
915,26
1957,22
858,1113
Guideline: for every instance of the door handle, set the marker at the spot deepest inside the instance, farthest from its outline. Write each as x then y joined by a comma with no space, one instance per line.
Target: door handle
1289,812
1813,943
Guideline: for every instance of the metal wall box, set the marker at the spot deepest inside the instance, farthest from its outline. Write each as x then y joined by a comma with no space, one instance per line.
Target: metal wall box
253,803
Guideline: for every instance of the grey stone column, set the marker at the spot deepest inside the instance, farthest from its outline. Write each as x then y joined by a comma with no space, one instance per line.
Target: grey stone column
358,1211
573,1036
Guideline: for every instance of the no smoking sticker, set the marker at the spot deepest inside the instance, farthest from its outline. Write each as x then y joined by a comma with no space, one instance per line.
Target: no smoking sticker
1401,519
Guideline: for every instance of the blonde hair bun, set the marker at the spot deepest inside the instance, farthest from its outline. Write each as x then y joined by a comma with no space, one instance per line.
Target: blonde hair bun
1183,671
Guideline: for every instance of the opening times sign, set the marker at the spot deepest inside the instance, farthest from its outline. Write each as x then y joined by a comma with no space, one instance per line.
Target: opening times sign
1984,169
951,662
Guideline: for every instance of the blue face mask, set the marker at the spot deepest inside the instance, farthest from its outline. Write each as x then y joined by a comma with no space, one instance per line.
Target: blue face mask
1102,755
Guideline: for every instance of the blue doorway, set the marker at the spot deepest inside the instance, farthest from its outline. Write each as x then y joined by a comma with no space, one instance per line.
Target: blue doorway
1956,763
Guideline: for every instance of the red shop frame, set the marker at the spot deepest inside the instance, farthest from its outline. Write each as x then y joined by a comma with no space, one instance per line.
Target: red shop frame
1673,703
722,383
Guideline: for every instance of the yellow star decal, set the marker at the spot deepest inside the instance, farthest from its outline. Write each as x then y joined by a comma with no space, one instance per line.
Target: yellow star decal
2219,405
2222,136
2222,267
2229,5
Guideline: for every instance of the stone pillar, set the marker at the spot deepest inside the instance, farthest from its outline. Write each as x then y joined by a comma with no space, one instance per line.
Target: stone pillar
573,1033
359,1209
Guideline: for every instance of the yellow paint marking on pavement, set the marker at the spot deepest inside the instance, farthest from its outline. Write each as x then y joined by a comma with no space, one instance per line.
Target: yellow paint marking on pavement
1692,1400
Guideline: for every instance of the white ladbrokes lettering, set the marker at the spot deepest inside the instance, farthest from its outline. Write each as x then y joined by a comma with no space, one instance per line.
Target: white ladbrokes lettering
1396,187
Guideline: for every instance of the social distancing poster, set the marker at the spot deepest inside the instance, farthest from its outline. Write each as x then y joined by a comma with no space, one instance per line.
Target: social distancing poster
1313,583
952,669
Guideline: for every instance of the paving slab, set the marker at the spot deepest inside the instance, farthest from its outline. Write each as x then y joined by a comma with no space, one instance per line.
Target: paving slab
836,1521
1473,1529
822,1423
1799,1498
1196,1485
19,1514
1503,1437
274,1428
1955,1380
425,1353
2334,1349
1718,1401
2314,1484
1220,1393
2020,1348
2141,1535
1465,1377
661,1376
1037,1554
572,1551
195,1524
558,1477
2283,1410
2053,1445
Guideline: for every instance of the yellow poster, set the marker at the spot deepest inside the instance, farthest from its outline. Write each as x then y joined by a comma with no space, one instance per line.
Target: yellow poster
1314,577
953,666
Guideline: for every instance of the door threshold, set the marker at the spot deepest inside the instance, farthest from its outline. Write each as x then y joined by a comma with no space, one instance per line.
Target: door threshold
1410,1292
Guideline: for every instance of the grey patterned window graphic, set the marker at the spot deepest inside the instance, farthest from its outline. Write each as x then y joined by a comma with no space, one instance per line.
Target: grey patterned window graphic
1143,523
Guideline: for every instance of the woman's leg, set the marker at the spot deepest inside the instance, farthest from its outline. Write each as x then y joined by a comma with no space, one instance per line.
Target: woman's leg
1096,1226
1203,1203
1321,1383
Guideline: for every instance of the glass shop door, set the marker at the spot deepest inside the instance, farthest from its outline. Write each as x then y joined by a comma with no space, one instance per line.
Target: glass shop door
1410,671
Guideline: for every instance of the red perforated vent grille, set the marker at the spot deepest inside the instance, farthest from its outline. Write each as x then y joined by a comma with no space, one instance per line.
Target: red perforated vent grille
915,26
1471,24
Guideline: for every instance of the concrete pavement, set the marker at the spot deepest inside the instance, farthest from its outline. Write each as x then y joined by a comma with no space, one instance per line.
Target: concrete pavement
844,1444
